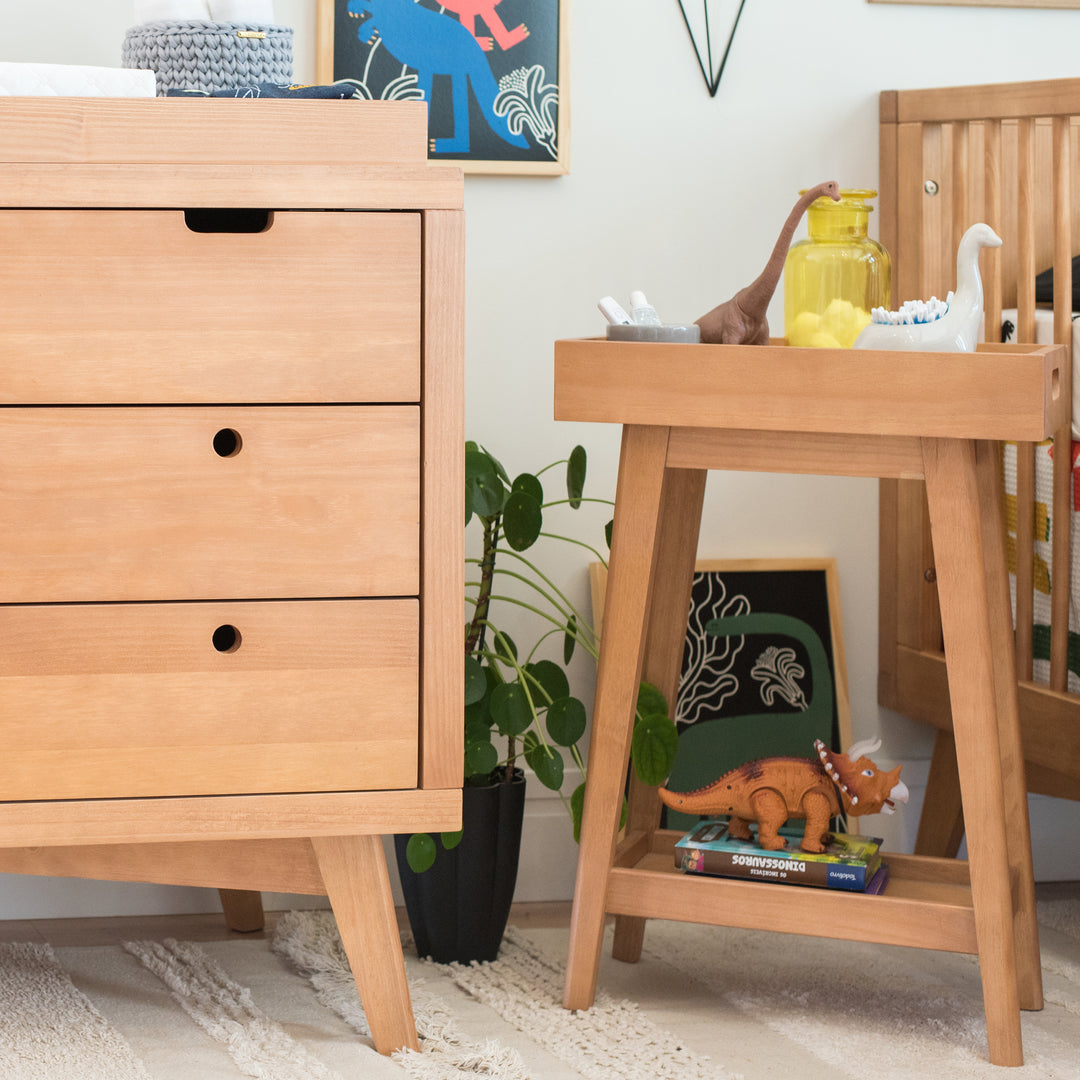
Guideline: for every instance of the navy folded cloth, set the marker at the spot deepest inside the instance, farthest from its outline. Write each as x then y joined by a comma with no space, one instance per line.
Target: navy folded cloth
273,90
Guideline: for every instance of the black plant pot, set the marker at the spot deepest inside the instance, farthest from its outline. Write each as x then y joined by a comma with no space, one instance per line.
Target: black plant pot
459,907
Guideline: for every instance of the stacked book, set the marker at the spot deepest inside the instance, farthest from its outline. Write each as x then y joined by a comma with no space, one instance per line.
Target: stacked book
848,862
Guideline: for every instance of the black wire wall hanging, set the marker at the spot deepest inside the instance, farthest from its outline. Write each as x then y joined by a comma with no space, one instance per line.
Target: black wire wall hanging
710,73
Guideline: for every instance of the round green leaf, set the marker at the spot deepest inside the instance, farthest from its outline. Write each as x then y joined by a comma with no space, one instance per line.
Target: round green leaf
650,701
498,466
577,804
653,749
484,491
547,763
510,708
476,731
450,840
530,485
552,680
569,639
504,645
566,721
420,852
522,520
479,712
575,476
475,681
480,758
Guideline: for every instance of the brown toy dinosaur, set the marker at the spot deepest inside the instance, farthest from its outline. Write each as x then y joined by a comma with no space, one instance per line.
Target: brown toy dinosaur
741,320
772,790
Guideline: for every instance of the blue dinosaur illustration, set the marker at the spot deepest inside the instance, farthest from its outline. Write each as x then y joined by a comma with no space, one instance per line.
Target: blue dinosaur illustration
435,44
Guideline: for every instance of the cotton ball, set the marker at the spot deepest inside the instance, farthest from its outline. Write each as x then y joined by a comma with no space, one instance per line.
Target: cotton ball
803,328
844,321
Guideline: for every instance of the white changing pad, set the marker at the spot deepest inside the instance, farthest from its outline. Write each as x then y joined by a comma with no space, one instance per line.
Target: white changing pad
74,80
1044,335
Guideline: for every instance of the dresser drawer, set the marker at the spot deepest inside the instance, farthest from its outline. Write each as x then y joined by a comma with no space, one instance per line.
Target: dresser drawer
124,700
109,504
119,306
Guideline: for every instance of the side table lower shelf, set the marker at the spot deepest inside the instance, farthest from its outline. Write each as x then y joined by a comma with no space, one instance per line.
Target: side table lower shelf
927,903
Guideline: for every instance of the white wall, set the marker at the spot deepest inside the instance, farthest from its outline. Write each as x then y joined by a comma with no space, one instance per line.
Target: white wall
681,195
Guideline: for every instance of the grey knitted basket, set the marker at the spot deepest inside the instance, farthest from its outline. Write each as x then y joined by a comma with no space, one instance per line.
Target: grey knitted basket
209,55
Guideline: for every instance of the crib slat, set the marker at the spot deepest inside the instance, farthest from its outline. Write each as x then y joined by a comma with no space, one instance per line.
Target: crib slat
1025,558
960,193
992,215
1026,195
1060,523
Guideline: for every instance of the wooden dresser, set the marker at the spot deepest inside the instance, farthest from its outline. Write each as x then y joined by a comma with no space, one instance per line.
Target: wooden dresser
231,344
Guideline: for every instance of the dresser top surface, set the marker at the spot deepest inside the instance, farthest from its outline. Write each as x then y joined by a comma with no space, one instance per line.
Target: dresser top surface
220,151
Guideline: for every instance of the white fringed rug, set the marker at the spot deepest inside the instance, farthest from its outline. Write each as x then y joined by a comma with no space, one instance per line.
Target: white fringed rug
703,1004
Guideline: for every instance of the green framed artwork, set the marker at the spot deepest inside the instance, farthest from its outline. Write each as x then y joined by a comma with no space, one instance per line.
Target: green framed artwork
493,72
763,670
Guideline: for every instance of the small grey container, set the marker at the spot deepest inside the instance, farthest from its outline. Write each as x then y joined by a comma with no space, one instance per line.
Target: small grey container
670,334
209,56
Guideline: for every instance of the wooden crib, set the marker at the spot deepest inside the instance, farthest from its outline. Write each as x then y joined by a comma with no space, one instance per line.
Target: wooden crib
1008,155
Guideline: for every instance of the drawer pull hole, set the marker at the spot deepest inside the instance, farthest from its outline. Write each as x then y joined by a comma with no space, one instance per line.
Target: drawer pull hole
228,220
227,442
226,638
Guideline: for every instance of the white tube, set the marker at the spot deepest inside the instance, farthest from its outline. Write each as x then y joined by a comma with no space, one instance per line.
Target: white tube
260,12
643,312
613,311
172,11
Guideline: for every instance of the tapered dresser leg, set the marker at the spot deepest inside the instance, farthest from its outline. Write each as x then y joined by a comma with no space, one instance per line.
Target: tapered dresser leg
955,516
633,547
354,873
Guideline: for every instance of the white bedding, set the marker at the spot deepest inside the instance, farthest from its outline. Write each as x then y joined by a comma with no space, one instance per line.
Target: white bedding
1044,335
74,80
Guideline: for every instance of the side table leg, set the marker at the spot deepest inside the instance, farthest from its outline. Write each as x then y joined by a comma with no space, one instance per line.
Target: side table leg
1017,823
353,869
680,523
956,523
941,824
633,548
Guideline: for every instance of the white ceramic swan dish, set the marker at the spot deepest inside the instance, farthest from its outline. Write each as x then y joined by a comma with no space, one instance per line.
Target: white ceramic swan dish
957,330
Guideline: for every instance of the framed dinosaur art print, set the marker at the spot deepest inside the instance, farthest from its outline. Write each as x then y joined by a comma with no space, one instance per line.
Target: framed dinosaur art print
494,73
763,672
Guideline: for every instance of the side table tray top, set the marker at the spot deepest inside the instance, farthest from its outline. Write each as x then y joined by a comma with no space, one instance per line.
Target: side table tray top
231,442
686,409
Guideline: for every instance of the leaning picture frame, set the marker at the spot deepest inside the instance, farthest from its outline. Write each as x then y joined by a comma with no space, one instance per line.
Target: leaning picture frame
495,78
769,687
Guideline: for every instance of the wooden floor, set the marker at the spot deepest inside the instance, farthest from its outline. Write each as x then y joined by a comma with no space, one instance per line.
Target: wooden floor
62,933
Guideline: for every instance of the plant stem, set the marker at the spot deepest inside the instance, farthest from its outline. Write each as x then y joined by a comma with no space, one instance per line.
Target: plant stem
475,637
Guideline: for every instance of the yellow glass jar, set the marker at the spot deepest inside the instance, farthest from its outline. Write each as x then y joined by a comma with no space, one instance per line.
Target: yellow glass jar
836,276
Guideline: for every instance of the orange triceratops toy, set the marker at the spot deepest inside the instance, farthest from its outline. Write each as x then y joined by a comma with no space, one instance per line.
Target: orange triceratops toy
772,790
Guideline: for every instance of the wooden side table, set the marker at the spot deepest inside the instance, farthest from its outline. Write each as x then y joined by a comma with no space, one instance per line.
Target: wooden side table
686,409
231,443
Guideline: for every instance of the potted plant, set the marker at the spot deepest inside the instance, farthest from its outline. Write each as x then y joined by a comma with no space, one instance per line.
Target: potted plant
518,707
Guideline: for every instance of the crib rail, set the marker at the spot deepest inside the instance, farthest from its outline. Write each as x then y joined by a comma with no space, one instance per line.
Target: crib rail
1006,155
